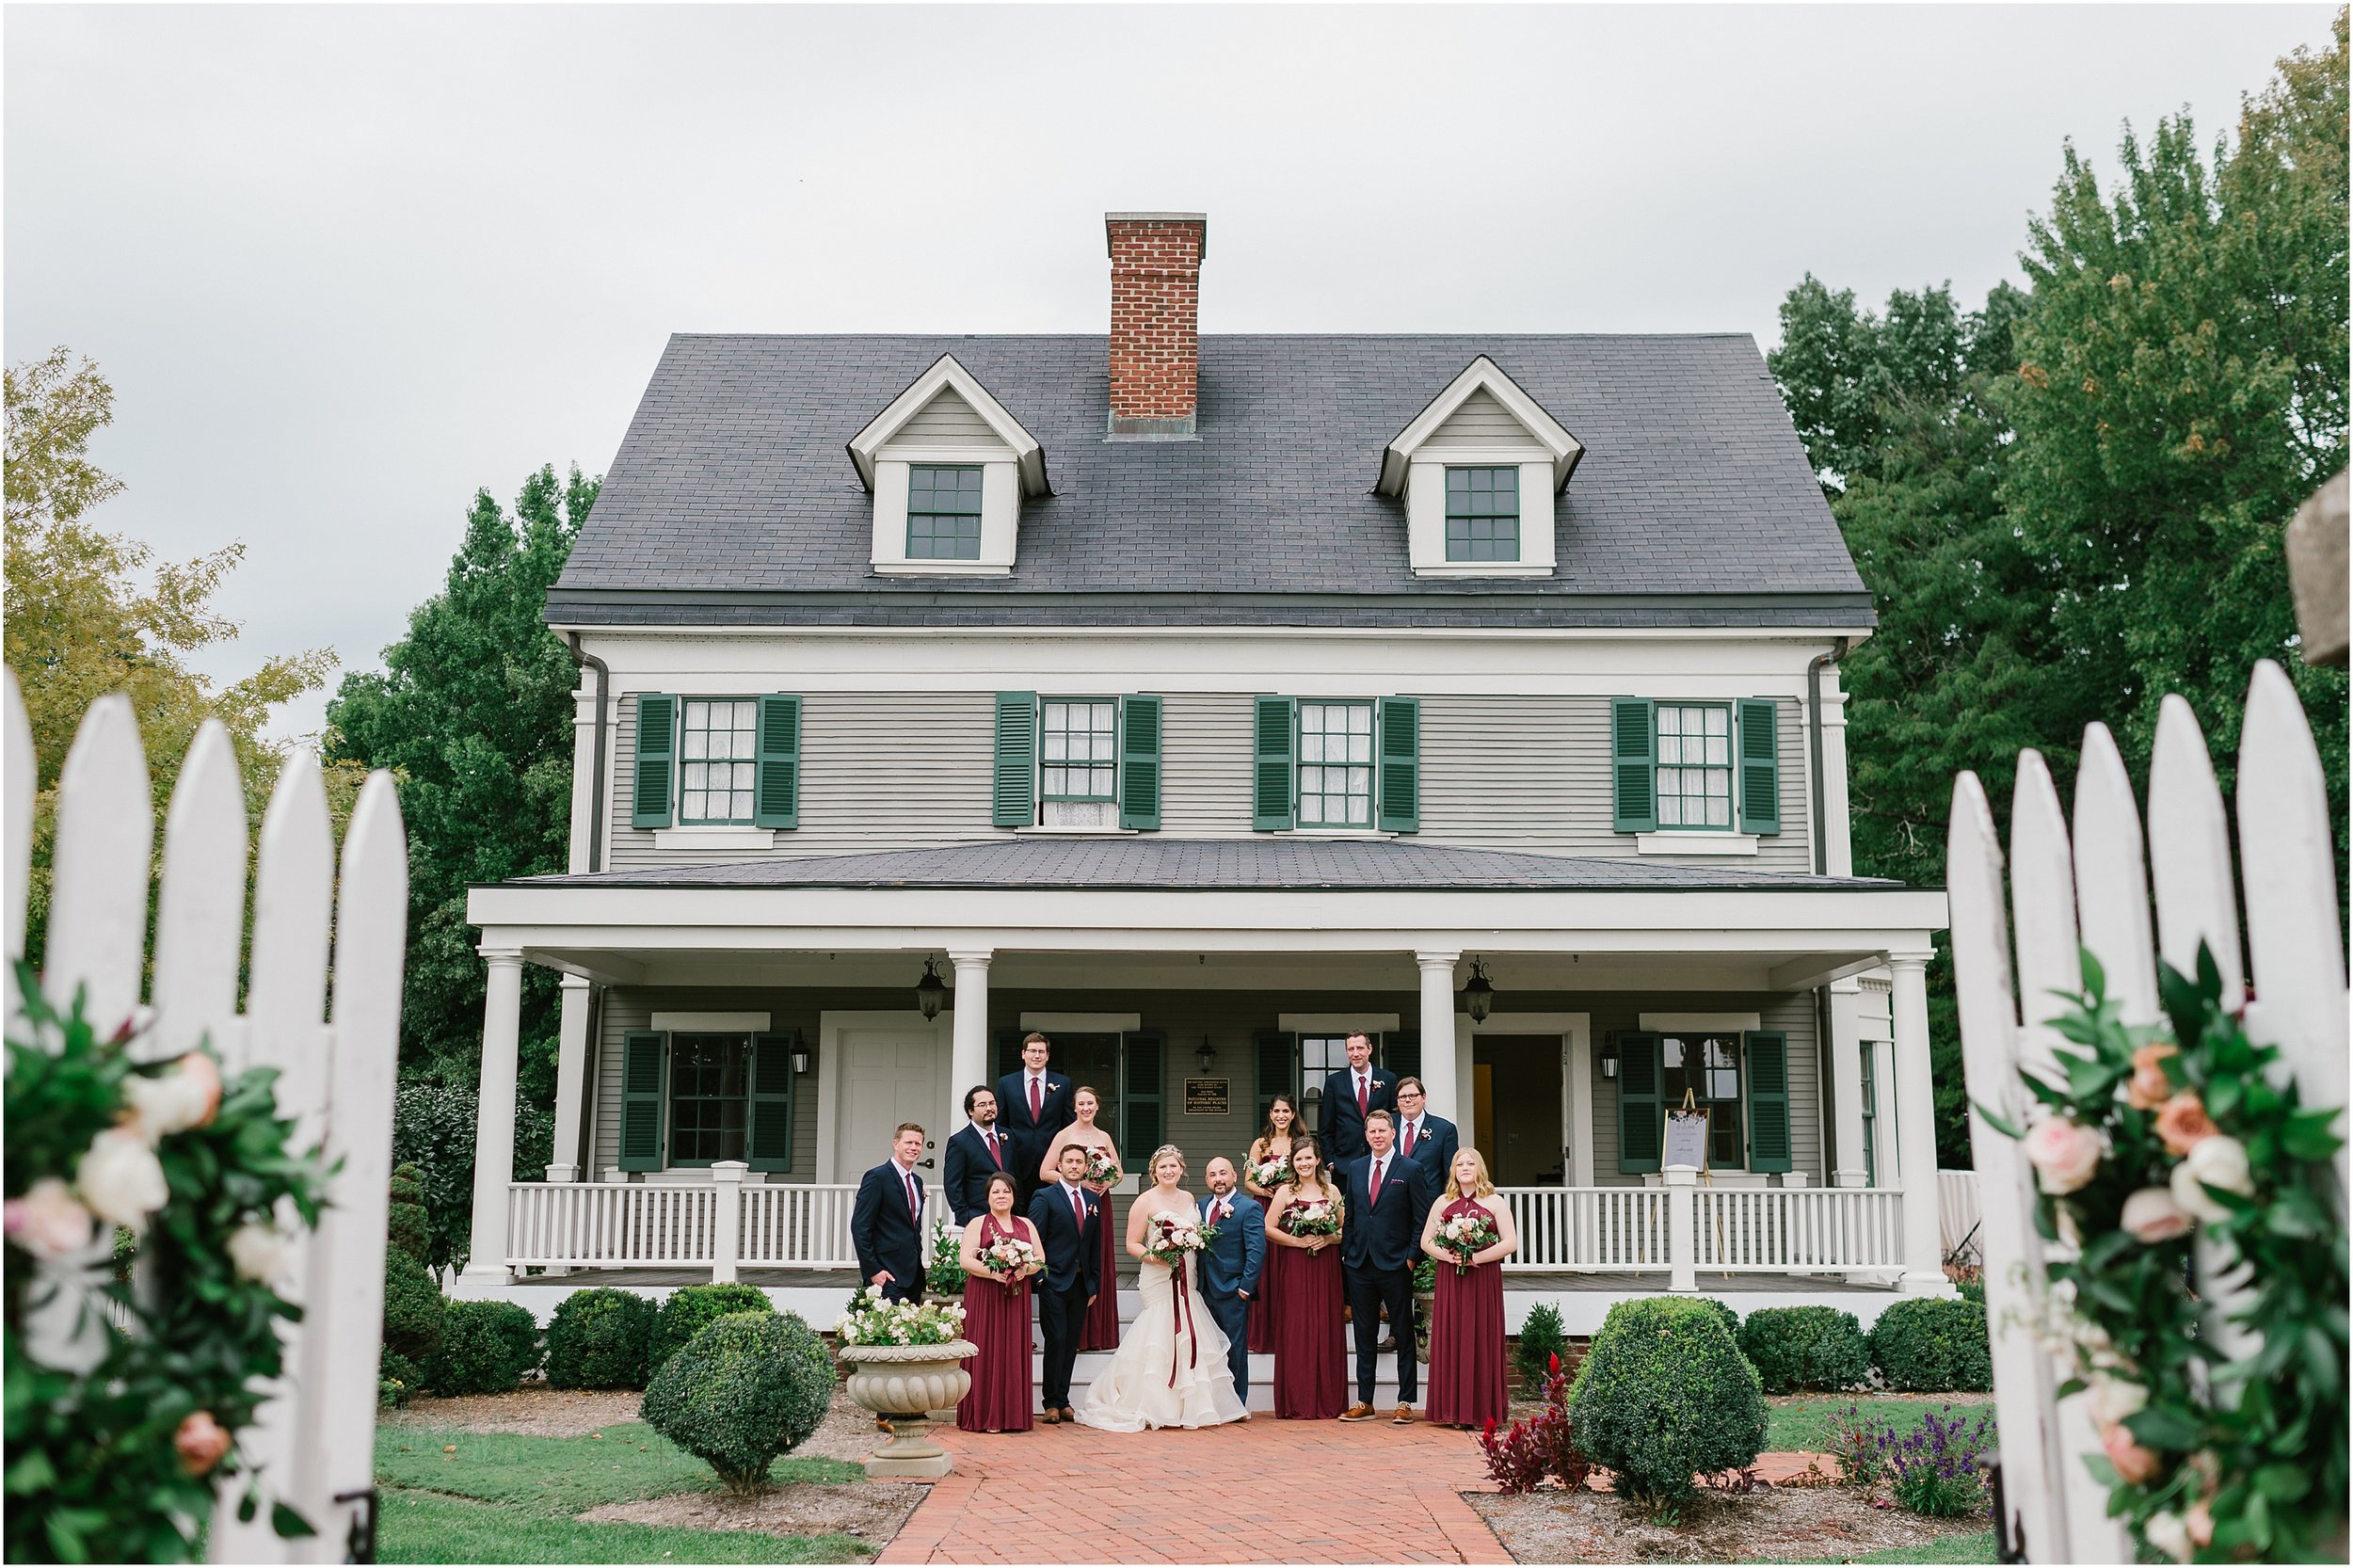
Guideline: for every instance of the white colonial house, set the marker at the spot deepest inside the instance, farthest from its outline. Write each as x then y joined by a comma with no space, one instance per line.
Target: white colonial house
1197,700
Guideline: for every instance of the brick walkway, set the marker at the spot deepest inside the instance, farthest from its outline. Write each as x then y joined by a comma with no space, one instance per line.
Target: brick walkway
1364,1493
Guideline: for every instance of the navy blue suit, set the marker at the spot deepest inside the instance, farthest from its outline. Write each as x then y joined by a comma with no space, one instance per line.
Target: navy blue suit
1434,1147
885,1234
1229,1275
1030,1136
1380,1243
968,1168
1342,1129
1074,1255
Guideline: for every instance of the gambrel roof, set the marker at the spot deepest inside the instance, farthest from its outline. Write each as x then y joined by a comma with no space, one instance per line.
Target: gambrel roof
734,501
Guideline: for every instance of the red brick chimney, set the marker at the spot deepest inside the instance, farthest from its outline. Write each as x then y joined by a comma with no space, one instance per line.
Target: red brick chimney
1156,320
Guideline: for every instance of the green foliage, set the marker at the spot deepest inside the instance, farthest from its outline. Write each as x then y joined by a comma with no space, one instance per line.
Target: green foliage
1663,1396
944,1274
1932,1345
1541,1337
600,1339
405,1224
1805,1347
743,1390
1723,1310
93,1471
422,1527
414,1310
487,1347
433,1130
1971,1290
397,1378
692,1308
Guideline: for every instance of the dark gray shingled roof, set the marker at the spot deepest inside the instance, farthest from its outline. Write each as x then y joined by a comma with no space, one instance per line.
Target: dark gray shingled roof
733,500
1097,865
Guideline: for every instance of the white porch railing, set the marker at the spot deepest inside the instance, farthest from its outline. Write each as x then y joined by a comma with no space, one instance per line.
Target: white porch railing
720,1226
1607,1228
1780,1229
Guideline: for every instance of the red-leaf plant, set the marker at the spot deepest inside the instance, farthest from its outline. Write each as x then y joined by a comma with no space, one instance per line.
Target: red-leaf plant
1522,1456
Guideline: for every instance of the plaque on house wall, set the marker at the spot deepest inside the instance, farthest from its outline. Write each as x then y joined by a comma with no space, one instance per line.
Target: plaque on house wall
1209,1097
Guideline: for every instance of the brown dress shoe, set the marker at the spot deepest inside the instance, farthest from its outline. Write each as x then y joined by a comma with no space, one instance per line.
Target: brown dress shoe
1405,1417
1069,1415
1050,1418
1358,1412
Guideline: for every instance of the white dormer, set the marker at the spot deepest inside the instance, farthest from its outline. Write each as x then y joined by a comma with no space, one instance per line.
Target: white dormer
948,467
1478,469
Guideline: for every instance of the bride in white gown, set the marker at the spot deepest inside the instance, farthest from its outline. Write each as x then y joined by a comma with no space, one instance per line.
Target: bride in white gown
1171,1369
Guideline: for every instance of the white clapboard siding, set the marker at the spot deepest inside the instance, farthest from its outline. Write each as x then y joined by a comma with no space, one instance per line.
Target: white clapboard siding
336,1084
2097,881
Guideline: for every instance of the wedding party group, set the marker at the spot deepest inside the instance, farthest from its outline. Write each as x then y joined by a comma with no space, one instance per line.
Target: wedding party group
1308,1238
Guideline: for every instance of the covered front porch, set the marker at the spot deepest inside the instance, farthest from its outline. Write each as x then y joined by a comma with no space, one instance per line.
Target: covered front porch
738,1042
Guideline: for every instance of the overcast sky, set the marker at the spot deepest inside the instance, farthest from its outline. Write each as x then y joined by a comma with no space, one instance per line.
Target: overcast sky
346,265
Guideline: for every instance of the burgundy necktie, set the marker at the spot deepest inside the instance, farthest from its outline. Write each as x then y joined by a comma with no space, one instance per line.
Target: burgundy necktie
1037,1104
1373,1196
1363,1096
1409,1137
915,1199
992,1150
1078,1209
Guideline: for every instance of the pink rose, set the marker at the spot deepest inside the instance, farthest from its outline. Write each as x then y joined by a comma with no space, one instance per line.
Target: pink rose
2064,1155
2150,1087
2182,1123
201,1441
186,1097
2152,1215
2201,1522
47,1221
2133,1461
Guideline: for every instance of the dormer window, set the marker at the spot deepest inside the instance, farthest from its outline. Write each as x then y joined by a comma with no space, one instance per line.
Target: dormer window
1483,514
949,467
944,511
1479,469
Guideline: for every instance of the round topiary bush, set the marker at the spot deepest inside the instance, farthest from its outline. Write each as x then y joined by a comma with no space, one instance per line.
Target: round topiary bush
1665,1396
742,1391
691,1309
404,1227
487,1347
1805,1347
1930,1344
413,1310
1723,1310
599,1339
1541,1337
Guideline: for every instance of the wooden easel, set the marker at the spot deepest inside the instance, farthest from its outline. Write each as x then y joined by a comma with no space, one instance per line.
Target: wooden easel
1690,1108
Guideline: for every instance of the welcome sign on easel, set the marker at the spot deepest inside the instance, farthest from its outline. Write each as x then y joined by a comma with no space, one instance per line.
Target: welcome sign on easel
1687,1145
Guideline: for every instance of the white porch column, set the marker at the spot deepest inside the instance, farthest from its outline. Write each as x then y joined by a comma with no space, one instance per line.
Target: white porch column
1924,1255
726,1225
494,1118
1437,1033
1682,1226
1846,1077
968,1048
571,1077
1837,837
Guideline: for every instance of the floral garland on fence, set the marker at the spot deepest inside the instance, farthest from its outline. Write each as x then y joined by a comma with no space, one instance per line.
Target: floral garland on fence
119,1455
2158,1137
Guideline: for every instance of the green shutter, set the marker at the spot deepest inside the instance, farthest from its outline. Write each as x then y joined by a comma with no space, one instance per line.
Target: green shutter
1140,762
776,798
1278,1058
1760,768
1008,1061
1015,802
1642,1121
657,750
1398,733
641,1101
1870,1115
1142,1098
1400,1052
768,1147
1769,1101
1270,765
1633,767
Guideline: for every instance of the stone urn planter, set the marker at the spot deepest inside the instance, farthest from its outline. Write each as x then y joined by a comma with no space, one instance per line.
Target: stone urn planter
903,1385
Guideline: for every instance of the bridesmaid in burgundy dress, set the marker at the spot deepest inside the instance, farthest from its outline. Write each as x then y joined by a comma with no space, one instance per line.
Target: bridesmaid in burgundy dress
1466,1320
1274,1144
1310,1357
997,1319
1102,1322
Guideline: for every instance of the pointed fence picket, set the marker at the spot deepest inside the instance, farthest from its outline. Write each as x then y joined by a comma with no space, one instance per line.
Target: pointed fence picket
2091,890
315,1438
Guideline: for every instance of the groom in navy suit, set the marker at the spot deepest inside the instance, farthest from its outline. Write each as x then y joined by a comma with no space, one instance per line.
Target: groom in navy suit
886,1222
1388,1197
1066,1216
1034,1105
1351,1096
1229,1269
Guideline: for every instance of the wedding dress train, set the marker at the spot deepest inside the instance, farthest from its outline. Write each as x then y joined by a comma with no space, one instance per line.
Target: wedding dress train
1170,1370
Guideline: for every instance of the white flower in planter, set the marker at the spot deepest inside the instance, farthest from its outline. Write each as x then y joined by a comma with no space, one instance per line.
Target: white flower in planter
120,1179
260,1253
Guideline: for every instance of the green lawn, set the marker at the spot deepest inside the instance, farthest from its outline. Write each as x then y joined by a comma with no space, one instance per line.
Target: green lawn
1806,1426
500,1498
1977,1546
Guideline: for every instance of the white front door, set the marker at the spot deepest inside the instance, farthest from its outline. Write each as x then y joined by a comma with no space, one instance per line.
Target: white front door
887,1073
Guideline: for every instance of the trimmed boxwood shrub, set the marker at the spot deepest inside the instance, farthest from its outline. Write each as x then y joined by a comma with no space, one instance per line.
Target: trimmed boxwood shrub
1723,1309
743,1390
413,1309
1805,1347
1541,1337
1665,1396
1933,1345
690,1308
405,1224
599,1339
487,1347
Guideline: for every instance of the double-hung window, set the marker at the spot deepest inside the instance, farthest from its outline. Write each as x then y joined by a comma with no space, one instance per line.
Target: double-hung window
1336,764
1078,749
709,1097
944,512
1694,765
1483,514
1709,1066
719,755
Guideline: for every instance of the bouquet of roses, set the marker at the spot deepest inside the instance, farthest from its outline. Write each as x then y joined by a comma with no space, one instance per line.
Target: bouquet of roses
1101,1167
1270,1173
1466,1236
1313,1217
1171,1236
1007,1257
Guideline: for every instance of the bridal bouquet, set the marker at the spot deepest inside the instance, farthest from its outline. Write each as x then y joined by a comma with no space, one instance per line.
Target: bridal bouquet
1171,1235
1270,1173
1101,1167
1466,1236
1007,1257
1312,1217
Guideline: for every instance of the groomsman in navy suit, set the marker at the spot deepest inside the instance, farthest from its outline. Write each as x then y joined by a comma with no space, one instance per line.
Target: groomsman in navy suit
886,1222
979,1150
1428,1141
1229,1269
1034,1105
1066,1216
1351,1095
1388,1197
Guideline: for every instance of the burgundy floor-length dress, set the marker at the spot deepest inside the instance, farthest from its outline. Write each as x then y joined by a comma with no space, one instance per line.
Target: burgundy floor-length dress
1310,1353
1102,1327
1262,1304
1466,1339
996,1319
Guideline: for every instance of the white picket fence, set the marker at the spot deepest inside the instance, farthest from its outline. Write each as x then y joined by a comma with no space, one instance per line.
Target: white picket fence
315,1439
2088,889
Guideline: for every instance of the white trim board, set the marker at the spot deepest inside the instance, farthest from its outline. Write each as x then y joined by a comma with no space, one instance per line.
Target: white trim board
714,1022
1659,1021
1082,1023
1334,1023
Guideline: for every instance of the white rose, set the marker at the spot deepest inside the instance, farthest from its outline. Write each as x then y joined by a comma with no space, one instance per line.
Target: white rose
2218,1161
47,1221
260,1254
120,1179
2169,1534
2152,1215
2114,1399
185,1097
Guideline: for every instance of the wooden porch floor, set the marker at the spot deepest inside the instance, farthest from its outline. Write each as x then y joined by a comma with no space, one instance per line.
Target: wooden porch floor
1542,1282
